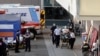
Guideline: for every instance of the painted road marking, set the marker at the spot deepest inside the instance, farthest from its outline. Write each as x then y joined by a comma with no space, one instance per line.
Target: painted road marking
75,53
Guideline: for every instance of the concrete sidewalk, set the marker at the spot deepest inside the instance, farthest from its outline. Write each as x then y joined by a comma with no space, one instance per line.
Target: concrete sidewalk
38,48
43,47
53,51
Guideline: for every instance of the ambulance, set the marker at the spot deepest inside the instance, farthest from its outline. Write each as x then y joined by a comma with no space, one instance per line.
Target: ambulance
30,17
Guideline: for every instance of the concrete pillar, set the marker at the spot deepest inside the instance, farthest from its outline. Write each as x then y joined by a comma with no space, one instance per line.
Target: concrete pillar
86,26
92,23
42,4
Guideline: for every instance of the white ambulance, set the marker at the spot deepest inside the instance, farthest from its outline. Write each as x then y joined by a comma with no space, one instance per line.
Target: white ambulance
30,16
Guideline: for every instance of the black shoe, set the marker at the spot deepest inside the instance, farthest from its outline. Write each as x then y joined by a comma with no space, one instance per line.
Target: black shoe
56,46
29,51
53,43
25,50
71,48
17,51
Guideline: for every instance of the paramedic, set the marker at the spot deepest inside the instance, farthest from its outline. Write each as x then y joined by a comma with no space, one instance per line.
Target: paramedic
2,48
52,34
57,33
27,40
17,42
72,39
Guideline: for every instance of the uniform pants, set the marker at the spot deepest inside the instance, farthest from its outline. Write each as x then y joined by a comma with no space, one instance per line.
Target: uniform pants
71,42
27,43
17,47
57,40
53,38
3,54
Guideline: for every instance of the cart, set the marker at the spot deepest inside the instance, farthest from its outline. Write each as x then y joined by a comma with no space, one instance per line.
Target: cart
64,41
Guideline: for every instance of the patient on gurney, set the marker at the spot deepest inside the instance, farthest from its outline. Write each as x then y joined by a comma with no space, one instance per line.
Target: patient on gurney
65,31
65,37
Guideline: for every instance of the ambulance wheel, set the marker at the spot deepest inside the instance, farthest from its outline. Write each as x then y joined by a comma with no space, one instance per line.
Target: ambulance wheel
33,32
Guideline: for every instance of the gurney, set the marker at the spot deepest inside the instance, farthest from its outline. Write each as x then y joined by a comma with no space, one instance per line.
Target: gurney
64,41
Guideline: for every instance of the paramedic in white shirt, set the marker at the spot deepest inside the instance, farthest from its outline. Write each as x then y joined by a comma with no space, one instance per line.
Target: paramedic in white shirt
57,33
72,39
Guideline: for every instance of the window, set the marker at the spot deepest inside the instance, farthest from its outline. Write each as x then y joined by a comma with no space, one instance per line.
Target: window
48,3
56,13
56,4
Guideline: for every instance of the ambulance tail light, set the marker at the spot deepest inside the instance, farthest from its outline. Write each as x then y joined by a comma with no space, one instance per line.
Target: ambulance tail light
37,9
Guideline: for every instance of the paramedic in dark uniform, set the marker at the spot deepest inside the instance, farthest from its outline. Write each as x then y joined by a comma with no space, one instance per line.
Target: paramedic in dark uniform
52,33
3,47
17,42
27,41
57,33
